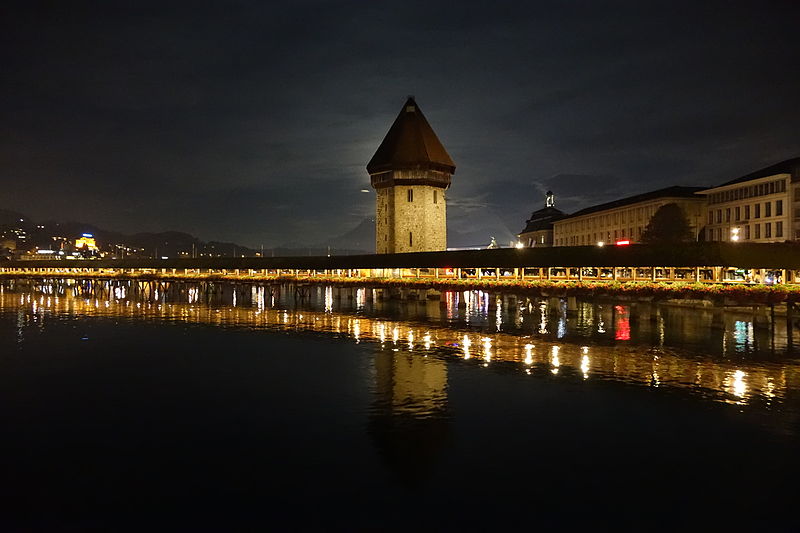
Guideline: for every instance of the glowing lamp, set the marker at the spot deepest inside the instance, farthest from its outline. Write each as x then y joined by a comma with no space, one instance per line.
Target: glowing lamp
623,243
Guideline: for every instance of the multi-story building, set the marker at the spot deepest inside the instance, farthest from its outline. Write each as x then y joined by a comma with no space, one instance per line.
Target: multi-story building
626,219
763,206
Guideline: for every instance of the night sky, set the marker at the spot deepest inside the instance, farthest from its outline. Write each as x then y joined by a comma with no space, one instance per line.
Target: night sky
253,121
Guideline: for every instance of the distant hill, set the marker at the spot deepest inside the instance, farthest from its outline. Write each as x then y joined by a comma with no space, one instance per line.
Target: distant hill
166,243
8,218
360,239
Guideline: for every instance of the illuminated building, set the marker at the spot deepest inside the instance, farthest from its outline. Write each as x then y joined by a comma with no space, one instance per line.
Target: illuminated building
410,172
763,206
626,219
86,242
539,228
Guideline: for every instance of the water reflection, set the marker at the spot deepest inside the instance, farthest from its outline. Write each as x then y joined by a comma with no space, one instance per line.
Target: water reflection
648,345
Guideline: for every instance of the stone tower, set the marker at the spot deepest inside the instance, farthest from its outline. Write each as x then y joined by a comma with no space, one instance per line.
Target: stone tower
410,172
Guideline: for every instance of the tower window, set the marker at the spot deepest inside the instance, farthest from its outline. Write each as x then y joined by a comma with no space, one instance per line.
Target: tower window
410,239
410,195
436,197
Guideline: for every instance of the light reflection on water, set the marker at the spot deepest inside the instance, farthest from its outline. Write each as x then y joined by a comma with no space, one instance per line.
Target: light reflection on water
666,347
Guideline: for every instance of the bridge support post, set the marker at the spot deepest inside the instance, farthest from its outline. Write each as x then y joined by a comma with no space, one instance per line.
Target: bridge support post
572,305
761,317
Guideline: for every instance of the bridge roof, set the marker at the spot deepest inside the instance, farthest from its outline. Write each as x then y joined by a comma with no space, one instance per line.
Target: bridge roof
744,255
411,144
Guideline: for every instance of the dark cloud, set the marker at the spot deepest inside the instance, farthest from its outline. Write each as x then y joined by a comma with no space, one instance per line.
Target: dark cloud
253,121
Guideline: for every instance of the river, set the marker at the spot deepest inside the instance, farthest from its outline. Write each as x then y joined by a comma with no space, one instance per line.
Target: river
214,406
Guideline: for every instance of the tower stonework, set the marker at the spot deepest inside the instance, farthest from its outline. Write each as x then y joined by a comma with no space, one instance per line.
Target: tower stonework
410,172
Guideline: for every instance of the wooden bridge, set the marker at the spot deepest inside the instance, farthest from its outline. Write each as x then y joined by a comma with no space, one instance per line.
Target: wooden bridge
696,262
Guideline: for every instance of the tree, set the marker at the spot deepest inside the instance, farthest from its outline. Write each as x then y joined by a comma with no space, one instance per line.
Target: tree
668,226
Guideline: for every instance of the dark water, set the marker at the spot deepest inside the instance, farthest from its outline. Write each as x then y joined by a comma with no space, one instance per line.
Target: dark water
221,407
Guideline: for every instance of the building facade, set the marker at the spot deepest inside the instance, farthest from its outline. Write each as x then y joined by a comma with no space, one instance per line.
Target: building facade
626,219
763,206
539,228
410,172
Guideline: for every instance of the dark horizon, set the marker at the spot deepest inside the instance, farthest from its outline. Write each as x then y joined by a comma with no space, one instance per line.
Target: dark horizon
254,122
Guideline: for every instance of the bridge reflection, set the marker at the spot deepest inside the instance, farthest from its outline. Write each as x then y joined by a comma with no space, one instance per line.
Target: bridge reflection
579,341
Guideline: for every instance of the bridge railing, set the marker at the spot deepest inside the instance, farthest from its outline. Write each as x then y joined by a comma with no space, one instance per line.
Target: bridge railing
709,274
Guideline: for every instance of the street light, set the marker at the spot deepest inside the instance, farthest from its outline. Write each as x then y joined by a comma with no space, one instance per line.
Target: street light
735,234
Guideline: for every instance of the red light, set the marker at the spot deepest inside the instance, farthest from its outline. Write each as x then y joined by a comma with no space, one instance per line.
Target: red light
623,326
623,243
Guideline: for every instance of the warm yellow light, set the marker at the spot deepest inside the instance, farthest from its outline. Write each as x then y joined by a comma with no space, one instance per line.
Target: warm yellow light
528,354
739,385
86,242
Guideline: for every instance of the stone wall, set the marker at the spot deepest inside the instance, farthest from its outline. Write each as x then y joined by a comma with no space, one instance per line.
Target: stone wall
418,225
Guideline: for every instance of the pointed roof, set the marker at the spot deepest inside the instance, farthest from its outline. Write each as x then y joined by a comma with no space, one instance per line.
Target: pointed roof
411,144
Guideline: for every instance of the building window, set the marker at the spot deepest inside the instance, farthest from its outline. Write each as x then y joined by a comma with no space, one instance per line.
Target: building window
435,196
727,214
719,216
737,213
747,212
757,211
410,239
410,195
767,209
797,194
779,229
758,231
710,234
747,232
768,230
710,216
778,208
